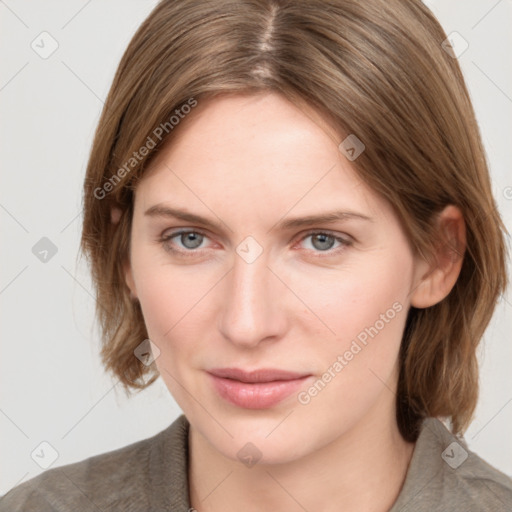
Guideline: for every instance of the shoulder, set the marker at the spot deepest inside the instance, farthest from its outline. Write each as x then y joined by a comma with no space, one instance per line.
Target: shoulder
445,475
115,480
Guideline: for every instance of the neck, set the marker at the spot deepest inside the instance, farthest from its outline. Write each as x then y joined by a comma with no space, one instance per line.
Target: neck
363,469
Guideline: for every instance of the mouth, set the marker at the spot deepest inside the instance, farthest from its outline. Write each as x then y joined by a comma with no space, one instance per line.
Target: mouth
257,389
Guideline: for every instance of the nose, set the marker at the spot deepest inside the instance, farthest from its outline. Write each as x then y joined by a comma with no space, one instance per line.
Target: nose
253,309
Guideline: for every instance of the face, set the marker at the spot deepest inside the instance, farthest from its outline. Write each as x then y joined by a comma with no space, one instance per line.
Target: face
272,329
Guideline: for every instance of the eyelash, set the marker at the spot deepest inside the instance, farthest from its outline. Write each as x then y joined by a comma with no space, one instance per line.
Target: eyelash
164,240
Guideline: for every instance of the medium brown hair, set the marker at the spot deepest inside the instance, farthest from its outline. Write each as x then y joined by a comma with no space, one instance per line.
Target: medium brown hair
376,69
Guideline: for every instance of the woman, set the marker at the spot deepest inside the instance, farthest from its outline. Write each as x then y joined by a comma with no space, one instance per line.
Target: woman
291,201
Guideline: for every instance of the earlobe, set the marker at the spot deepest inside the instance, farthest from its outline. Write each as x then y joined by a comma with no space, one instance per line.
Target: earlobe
434,282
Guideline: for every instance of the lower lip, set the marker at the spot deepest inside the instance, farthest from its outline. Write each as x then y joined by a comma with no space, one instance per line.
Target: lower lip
260,395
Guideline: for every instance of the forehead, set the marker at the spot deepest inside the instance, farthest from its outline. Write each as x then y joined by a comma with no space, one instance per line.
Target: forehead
249,129
260,153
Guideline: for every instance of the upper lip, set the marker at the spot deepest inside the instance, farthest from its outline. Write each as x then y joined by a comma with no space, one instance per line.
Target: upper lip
255,376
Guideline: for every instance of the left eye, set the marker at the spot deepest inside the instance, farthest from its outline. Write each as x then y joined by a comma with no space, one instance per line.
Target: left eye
324,242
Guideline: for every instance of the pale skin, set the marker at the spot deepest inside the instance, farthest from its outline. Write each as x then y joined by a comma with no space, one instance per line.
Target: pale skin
248,163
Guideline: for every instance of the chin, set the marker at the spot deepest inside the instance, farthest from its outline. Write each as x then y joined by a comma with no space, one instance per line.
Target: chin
252,449
271,436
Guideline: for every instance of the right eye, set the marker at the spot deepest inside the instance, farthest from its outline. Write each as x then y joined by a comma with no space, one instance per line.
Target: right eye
188,241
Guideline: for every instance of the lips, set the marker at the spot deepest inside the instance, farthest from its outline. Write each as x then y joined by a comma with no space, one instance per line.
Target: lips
257,389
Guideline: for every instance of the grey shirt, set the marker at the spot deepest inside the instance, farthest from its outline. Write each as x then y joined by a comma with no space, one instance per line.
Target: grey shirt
151,475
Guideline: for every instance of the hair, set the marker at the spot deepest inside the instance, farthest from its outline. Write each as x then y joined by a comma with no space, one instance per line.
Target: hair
376,69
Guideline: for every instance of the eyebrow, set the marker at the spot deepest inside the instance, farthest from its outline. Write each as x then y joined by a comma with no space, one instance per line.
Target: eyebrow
162,210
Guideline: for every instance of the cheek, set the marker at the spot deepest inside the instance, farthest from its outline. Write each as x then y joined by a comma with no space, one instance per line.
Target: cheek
158,304
174,302
353,298
165,292
171,307
367,311
366,308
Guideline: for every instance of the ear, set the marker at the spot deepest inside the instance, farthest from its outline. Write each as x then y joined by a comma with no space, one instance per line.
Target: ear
115,216
433,282
128,277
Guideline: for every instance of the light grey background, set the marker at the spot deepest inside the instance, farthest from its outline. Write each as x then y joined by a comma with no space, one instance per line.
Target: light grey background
52,385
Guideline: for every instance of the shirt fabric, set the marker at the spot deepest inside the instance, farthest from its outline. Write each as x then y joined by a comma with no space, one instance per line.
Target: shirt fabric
151,475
